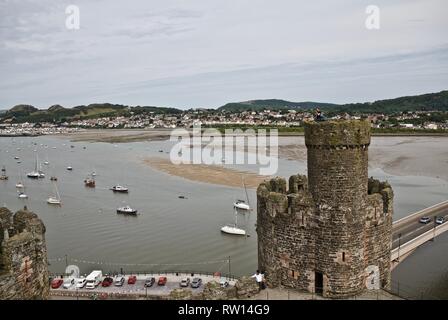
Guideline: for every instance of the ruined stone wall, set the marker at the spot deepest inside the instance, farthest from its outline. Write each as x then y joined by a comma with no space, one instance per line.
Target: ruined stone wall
284,230
378,234
23,256
334,225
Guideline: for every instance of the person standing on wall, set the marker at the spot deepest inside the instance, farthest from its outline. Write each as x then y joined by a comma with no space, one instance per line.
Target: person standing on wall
259,278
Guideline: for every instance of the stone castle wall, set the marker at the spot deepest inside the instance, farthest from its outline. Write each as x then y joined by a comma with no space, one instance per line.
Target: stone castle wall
332,231
23,256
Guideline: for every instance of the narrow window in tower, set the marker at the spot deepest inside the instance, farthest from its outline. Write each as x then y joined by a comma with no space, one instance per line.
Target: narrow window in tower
343,256
303,218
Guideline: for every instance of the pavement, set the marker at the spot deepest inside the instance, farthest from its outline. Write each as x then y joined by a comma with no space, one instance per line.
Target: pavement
138,289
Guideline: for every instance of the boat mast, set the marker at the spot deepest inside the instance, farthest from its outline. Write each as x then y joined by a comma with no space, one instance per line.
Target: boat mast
245,189
57,192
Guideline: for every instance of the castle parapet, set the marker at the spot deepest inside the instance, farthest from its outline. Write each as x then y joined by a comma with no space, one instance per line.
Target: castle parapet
337,134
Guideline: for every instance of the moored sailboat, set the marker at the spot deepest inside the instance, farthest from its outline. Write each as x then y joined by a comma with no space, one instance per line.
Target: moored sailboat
233,228
55,198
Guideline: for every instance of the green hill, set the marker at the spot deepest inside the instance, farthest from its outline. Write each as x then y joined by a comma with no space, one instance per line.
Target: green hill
431,101
272,104
57,113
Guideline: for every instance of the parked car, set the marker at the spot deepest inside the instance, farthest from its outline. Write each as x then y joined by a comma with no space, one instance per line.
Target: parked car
81,282
425,220
56,283
132,279
68,282
196,283
162,281
440,220
149,282
224,283
107,282
185,282
119,281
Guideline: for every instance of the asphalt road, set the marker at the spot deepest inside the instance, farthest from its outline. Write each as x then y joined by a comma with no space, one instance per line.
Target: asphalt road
415,228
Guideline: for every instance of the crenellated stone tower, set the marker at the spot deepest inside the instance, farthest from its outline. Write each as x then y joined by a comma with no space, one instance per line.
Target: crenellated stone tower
329,233
23,256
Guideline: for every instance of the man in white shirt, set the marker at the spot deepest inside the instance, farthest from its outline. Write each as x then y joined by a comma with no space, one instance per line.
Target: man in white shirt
259,278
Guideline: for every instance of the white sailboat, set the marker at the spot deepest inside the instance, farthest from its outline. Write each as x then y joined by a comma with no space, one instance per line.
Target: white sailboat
21,190
19,184
241,204
37,173
233,228
55,198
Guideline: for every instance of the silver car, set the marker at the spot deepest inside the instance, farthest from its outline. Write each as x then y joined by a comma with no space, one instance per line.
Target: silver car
185,282
119,281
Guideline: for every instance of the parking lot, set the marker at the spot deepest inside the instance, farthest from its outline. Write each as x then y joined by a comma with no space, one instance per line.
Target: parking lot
173,282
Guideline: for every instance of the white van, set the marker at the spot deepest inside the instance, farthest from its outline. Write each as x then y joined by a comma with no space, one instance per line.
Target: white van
94,279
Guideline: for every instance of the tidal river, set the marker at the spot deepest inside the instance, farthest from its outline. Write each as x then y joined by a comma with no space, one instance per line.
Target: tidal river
172,233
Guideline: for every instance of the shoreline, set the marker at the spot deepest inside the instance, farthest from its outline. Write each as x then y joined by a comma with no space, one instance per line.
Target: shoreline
137,135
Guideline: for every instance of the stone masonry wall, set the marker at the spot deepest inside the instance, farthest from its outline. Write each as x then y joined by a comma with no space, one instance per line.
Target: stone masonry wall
334,230
23,256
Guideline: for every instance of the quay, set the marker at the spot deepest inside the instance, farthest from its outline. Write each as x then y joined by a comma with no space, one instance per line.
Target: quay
138,290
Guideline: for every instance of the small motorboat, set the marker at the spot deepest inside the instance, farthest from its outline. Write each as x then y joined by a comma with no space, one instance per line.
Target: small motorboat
53,200
127,210
69,168
22,195
3,176
19,185
46,163
54,178
241,204
119,188
89,182
16,158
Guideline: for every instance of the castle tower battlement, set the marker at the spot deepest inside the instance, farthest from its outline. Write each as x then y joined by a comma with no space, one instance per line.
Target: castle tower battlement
330,232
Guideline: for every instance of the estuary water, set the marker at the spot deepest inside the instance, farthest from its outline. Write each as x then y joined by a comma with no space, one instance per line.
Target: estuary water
170,233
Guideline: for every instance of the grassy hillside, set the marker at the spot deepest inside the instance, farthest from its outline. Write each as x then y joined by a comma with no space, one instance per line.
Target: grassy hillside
430,101
57,113
272,104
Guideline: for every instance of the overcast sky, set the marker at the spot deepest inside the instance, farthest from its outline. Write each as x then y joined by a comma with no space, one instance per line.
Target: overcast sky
205,53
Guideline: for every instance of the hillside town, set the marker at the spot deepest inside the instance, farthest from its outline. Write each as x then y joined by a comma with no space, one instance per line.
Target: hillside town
416,120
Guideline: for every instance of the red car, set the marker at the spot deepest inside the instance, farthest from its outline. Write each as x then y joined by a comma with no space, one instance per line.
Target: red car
162,281
107,282
56,283
132,279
